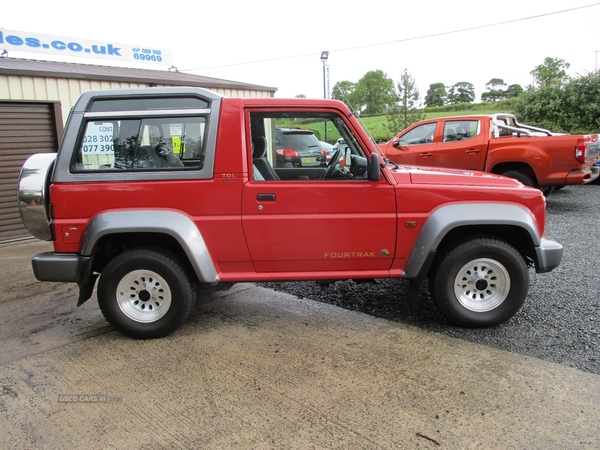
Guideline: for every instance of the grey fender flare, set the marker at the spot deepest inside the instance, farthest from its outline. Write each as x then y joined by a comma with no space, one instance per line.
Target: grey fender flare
447,218
171,223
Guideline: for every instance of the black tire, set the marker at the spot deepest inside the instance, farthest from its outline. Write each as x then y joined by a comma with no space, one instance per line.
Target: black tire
479,283
522,177
547,190
146,293
528,181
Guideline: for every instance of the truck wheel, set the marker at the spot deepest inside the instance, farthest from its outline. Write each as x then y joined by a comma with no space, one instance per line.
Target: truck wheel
528,181
479,283
145,293
520,176
547,190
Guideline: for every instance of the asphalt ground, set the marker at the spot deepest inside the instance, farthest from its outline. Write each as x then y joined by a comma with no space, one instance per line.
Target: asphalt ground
256,368
560,320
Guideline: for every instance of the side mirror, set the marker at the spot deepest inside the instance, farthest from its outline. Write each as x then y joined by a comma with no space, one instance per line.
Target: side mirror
374,168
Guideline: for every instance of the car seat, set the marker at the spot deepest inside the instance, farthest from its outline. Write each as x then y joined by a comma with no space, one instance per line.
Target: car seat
449,135
146,157
259,158
165,155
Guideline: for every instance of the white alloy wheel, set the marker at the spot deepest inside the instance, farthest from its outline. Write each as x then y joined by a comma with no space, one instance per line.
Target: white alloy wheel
143,296
482,285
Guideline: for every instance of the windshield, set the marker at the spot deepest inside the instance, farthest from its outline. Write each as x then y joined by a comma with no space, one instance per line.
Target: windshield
374,147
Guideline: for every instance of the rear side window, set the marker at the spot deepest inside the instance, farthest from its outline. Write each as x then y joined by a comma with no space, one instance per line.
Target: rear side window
459,130
144,144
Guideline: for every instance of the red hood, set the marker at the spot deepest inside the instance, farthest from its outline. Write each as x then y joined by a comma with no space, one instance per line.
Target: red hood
440,175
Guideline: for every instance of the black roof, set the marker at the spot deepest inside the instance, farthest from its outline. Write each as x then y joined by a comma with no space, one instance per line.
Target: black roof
31,67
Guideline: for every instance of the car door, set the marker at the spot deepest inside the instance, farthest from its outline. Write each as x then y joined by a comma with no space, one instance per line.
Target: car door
416,146
342,224
463,145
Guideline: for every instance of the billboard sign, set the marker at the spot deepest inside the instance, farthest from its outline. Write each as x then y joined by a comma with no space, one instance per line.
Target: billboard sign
21,41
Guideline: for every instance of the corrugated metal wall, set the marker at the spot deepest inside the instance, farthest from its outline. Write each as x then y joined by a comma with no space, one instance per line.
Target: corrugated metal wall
25,128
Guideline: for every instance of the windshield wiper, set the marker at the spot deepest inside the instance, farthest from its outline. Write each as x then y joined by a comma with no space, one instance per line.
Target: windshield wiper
387,161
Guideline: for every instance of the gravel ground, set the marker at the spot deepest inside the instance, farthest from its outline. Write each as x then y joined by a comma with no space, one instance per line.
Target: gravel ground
560,321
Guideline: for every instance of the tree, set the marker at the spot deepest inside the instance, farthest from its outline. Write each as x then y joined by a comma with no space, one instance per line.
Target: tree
373,93
342,90
552,72
407,111
543,107
436,95
300,96
513,91
561,103
495,90
582,104
572,108
461,92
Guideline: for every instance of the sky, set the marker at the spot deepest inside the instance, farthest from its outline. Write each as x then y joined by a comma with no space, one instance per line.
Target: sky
278,44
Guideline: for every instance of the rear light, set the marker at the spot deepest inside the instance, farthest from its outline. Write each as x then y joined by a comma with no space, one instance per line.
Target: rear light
325,154
287,152
587,149
580,153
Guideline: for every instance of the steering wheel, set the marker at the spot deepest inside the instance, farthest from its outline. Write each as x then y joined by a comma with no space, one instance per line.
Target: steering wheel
331,165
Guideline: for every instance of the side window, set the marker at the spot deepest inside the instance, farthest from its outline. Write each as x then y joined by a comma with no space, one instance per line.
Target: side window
294,146
423,134
459,130
170,143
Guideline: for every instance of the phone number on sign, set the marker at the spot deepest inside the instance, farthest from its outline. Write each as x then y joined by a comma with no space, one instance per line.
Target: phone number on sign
146,54
98,148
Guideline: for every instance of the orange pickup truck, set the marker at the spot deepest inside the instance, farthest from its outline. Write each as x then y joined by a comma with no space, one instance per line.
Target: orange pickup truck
498,144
